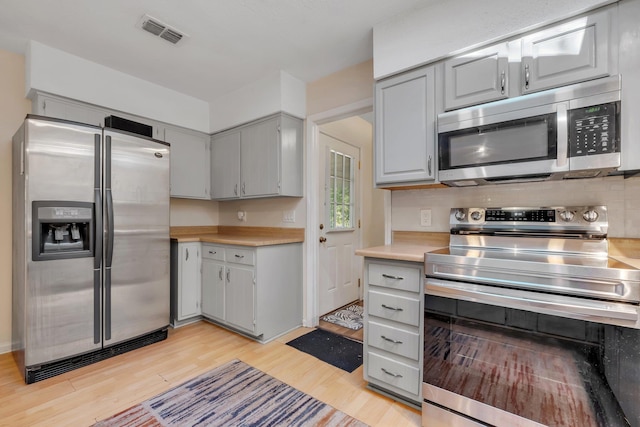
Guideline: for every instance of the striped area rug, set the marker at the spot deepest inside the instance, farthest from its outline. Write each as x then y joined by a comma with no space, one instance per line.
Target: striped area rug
234,394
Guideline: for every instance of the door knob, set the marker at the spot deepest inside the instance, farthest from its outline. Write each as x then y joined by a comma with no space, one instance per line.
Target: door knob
323,239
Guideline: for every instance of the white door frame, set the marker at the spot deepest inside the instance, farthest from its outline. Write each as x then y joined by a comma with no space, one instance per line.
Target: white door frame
313,173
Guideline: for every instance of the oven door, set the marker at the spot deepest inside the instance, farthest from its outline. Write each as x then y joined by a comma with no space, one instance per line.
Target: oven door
488,363
530,144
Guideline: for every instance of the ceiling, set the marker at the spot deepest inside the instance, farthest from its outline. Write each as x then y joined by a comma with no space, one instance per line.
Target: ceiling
231,43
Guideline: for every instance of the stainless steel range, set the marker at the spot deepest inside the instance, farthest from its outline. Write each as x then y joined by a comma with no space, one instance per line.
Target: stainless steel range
528,321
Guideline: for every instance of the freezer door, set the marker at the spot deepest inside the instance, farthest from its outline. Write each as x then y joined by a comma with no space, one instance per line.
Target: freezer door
136,276
61,316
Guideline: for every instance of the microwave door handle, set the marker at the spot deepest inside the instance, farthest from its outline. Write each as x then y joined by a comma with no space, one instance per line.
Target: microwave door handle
562,145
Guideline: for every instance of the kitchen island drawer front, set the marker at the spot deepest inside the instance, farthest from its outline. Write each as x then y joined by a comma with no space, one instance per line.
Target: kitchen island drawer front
395,307
395,277
240,256
212,252
394,340
395,373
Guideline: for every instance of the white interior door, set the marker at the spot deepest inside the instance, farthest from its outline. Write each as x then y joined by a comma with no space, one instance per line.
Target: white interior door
339,223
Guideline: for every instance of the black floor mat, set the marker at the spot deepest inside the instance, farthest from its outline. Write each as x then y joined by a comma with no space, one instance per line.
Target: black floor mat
331,348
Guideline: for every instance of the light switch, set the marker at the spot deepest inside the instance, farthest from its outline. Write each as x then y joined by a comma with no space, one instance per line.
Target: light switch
425,217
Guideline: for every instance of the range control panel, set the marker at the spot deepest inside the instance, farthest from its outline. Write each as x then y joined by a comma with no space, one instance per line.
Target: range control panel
593,130
513,219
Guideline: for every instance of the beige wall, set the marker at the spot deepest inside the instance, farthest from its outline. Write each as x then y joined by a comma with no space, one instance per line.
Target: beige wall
194,212
345,87
13,108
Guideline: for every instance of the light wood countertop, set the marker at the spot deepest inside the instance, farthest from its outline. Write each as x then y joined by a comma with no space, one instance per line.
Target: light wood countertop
242,236
407,246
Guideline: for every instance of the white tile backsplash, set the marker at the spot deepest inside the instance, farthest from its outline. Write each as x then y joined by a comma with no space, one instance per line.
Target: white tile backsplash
620,195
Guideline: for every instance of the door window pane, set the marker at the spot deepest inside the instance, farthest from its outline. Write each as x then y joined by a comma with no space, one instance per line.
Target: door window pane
340,190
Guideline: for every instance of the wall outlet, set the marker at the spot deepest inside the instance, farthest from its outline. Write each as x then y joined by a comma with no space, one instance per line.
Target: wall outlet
289,216
242,215
425,217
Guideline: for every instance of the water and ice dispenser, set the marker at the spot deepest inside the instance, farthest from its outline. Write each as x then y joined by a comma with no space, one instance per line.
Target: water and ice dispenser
62,230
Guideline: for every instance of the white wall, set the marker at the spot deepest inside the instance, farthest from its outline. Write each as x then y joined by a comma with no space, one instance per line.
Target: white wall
621,196
271,94
57,72
443,27
263,212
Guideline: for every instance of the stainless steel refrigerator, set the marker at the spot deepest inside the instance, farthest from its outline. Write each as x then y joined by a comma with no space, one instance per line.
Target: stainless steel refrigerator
90,244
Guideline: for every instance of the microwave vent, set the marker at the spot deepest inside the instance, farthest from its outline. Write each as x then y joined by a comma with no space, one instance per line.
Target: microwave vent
160,29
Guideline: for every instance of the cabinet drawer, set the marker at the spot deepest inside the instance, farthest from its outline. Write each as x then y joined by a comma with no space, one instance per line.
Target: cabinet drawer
395,373
239,256
213,252
394,340
395,277
394,307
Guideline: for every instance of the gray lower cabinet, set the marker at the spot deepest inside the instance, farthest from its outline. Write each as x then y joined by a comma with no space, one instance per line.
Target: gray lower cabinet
189,280
259,159
404,146
393,322
256,291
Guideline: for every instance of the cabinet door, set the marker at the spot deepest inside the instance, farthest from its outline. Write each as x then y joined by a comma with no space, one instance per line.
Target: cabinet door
189,281
225,166
189,163
259,159
213,287
69,110
405,139
240,298
567,53
477,77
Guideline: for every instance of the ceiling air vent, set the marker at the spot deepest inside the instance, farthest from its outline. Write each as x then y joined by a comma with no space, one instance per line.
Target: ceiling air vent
159,28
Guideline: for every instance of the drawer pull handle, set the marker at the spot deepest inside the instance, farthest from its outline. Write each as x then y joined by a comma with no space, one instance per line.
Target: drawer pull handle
239,256
391,373
390,340
389,276
212,252
392,308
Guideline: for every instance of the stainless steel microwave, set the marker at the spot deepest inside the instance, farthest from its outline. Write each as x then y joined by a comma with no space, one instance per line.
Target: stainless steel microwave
570,132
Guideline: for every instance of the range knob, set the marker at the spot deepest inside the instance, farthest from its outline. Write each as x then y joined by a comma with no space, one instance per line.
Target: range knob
460,215
567,215
476,215
590,215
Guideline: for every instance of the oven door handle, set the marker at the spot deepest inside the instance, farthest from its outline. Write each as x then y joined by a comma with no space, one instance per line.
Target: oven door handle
559,305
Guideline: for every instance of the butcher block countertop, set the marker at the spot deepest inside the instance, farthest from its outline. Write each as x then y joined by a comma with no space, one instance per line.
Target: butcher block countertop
407,246
242,236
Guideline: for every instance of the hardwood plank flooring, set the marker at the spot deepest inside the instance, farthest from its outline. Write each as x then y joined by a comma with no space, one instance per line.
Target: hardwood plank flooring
341,330
95,392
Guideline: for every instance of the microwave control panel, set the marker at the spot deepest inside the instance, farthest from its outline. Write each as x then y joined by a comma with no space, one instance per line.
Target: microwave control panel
593,130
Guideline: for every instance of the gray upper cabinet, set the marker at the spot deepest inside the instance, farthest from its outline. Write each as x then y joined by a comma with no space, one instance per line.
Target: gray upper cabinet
477,77
59,108
571,52
189,163
225,165
260,159
405,135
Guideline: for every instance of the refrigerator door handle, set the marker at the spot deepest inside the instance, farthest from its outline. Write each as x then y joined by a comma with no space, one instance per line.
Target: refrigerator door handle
108,237
98,231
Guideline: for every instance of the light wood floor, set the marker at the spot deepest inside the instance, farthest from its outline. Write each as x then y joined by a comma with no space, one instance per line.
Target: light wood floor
341,330
83,396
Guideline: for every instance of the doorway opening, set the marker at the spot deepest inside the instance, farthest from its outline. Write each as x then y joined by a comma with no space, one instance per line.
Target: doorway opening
332,266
